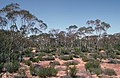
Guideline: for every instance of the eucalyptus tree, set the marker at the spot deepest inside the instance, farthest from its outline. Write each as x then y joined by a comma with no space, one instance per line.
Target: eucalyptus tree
62,40
11,16
13,13
100,27
82,34
9,13
54,37
70,34
3,22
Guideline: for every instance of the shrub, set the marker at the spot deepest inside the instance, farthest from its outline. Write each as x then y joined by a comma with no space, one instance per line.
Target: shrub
27,62
65,77
47,72
82,54
28,53
34,59
49,58
118,52
114,61
32,70
93,67
20,76
92,64
73,71
95,70
66,57
11,66
51,71
1,67
21,73
74,62
95,56
41,54
40,58
64,51
109,72
85,59
54,63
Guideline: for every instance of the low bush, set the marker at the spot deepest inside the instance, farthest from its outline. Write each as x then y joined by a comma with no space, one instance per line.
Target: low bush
41,54
1,67
118,52
27,62
114,61
11,66
93,67
21,73
40,58
49,58
20,76
54,63
109,72
95,71
66,57
32,70
34,59
47,72
64,51
85,59
73,71
74,62
43,72
95,55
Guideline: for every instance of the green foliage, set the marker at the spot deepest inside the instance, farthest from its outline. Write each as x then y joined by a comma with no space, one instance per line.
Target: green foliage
11,66
109,72
114,61
34,59
63,51
27,62
95,70
43,72
73,71
117,47
21,73
66,57
74,62
49,58
117,52
32,70
28,53
1,67
19,77
85,59
54,63
92,64
40,58
41,54
95,55
47,72
93,67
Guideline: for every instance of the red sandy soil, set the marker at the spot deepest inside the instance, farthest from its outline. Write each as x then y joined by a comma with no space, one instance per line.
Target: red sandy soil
116,67
62,69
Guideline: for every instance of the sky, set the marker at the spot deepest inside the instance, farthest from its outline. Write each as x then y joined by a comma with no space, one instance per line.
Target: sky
60,14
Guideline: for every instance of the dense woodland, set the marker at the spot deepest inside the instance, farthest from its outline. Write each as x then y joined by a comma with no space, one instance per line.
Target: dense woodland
20,31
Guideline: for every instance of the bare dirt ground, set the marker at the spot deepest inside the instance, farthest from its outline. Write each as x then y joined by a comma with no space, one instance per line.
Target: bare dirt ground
62,69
